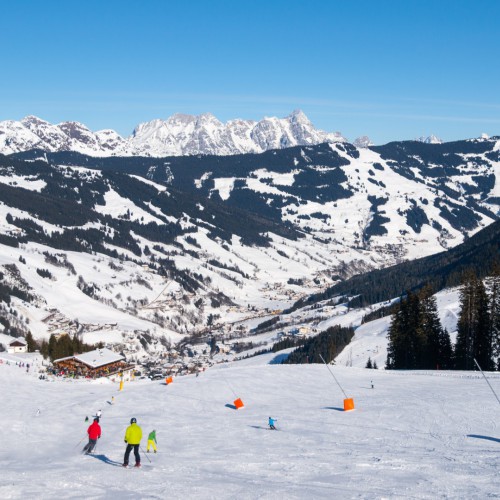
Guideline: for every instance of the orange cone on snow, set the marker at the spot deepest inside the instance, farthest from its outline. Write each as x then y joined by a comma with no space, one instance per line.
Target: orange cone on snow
169,380
348,404
238,403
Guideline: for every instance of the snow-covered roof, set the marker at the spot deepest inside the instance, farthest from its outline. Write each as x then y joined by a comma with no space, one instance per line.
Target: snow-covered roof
97,358
7,340
18,342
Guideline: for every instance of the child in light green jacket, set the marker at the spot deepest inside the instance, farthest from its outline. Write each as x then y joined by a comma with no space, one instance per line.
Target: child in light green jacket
152,441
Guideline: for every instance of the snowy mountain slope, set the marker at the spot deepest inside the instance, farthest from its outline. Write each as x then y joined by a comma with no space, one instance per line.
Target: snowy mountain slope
178,135
409,199
14,137
408,203
150,277
370,339
191,245
415,435
478,254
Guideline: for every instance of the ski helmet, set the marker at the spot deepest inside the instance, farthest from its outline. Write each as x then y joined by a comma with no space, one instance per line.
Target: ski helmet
133,420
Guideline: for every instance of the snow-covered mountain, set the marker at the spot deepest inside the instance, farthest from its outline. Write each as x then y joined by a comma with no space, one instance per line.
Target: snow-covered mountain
151,249
363,142
431,139
178,135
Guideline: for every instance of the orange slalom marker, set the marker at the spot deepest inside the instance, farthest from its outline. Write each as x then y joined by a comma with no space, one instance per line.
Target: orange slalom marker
238,403
348,404
169,380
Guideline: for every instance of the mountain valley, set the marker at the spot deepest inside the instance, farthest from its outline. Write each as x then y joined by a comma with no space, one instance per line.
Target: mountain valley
156,255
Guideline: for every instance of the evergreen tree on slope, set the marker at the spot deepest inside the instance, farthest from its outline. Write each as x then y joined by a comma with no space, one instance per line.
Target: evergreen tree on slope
407,342
495,315
438,351
474,336
483,347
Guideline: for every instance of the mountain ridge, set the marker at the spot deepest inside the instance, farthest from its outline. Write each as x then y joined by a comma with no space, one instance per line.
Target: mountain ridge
178,135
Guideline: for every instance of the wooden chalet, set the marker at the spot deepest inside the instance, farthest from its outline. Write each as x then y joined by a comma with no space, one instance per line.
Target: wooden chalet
94,364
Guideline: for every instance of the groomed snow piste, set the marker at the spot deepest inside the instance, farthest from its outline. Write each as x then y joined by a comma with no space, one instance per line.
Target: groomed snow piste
422,435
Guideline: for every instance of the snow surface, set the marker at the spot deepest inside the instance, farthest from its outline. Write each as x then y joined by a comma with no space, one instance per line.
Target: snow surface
419,435
116,205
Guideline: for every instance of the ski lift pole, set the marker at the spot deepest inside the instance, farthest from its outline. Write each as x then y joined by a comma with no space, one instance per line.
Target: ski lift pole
334,378
238,403
487,381
229,385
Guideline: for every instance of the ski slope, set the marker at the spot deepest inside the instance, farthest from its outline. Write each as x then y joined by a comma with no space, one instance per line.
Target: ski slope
419,435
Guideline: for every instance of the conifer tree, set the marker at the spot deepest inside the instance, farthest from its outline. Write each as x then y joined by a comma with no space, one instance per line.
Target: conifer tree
446,360
397,340
495,315
437,345
407,341
474,336
464,347
52,347
483,345
416,337
31,343
44,349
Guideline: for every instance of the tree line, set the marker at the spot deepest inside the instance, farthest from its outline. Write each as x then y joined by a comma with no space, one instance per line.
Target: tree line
328,344
59,347
417,339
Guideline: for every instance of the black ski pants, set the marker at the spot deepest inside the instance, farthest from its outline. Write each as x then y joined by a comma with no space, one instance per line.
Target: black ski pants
136,453
90,446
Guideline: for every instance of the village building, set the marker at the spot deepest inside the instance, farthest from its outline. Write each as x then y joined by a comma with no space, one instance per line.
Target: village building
224,349
13,345
95,364
17,346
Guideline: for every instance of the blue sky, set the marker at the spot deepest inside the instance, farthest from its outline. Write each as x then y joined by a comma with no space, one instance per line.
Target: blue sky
389,69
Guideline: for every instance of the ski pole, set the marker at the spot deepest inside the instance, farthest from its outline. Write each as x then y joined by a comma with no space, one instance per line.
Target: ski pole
79,441
487,381
145,454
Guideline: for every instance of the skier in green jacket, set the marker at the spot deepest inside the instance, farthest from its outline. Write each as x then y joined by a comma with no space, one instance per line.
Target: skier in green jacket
152,441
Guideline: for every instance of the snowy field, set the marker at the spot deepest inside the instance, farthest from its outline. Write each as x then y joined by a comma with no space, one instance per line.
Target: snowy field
419,435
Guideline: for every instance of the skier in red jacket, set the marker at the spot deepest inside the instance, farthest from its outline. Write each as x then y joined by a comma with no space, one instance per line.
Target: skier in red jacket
94,432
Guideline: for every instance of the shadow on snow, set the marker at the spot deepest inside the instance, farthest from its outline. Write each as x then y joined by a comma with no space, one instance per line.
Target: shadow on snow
277,360
106,460
488,438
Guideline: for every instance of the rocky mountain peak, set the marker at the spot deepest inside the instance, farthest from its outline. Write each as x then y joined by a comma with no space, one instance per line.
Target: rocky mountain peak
363,142
178,135
298,116
33,120
431,139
